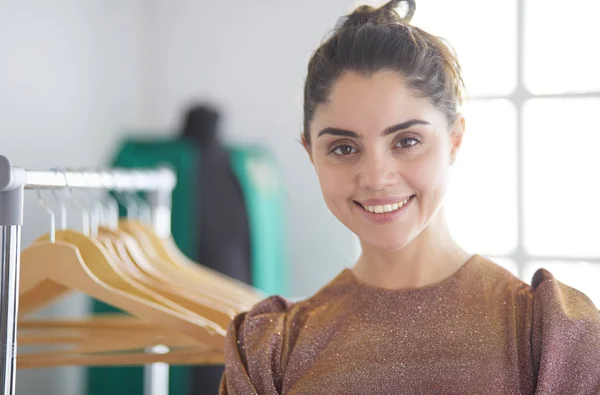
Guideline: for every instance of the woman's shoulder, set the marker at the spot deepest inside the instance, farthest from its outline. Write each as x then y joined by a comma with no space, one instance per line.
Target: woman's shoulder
562,330
545,287
272,305
545,292
565,337
253,342
557,325
557,306
259,339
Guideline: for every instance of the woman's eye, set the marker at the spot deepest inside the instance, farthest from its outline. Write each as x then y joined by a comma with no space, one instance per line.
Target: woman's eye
407,142
343,150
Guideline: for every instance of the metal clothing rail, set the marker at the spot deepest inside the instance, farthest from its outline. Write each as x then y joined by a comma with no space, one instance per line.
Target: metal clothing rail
158,183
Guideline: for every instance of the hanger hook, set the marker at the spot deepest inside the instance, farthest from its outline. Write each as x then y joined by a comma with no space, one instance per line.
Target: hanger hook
85,215
52,216
131,207
112,204
113,211
103,202
144,209
87,193
104,210
61,204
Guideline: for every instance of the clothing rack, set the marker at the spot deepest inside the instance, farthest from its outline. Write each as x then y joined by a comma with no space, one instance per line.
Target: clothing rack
158,183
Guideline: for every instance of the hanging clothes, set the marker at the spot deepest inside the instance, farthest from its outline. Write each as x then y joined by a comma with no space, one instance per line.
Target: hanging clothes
222,220
224,233
239,231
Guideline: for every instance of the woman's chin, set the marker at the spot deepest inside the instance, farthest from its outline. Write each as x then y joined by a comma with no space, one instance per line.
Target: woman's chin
386,244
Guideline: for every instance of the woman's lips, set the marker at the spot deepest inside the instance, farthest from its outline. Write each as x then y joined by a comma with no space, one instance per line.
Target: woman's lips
384,201
387,216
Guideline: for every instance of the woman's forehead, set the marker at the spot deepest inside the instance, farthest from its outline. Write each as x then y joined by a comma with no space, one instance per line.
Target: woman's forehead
386,91
381,99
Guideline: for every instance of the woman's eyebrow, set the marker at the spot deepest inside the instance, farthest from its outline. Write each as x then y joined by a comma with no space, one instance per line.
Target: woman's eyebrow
387,131
338,132
404,125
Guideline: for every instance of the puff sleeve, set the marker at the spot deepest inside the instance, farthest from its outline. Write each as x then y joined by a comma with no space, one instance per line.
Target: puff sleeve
253,350
565,338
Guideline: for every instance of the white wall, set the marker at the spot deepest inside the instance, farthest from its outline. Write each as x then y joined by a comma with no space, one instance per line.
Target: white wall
251,59
71,80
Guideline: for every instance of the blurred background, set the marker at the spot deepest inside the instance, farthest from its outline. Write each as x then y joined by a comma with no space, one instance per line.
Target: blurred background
87,83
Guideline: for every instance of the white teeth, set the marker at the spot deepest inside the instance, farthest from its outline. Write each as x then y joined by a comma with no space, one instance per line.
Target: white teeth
386,208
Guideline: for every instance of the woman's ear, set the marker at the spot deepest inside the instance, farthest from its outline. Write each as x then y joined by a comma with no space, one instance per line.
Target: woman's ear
456,136
306,147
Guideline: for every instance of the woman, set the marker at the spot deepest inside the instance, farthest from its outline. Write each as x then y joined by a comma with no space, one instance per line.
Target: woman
416,314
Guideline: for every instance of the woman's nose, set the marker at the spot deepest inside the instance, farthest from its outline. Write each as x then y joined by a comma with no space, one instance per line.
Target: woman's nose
377,172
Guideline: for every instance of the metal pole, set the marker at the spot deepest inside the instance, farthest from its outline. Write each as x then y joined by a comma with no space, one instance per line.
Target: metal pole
10,238
118,179
11,219
156,375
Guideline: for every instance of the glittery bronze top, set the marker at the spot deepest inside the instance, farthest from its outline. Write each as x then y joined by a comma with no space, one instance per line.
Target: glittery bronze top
480,331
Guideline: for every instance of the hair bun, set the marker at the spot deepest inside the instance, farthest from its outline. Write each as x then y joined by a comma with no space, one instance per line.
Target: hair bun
386,14
411,7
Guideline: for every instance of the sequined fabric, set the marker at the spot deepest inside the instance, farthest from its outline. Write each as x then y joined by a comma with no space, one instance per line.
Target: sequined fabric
480,331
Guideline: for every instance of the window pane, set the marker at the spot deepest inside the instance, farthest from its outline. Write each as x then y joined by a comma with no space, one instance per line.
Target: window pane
481,199
561,46
506,263
582,276
483,33
561,183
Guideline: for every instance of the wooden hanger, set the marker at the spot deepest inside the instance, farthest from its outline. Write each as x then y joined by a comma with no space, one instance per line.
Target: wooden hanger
101,320
215,299
166,283
218,313
97,339
192,287
177,357
102,340
167,250
134,229
96,330
34,299
216,282
77,264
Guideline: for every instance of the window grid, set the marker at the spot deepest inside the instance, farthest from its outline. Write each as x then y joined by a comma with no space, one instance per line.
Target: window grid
518,98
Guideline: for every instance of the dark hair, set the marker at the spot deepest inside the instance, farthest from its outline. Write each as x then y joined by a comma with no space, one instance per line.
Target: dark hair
376,39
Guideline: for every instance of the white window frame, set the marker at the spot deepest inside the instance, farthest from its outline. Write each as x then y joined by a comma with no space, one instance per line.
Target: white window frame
519,97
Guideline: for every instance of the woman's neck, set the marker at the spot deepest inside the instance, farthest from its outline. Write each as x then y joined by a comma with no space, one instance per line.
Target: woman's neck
429,258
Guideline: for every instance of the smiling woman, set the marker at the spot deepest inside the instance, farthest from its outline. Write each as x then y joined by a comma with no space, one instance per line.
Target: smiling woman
417,313
379,145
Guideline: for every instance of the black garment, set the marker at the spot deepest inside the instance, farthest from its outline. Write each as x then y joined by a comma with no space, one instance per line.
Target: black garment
224,228
224,231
